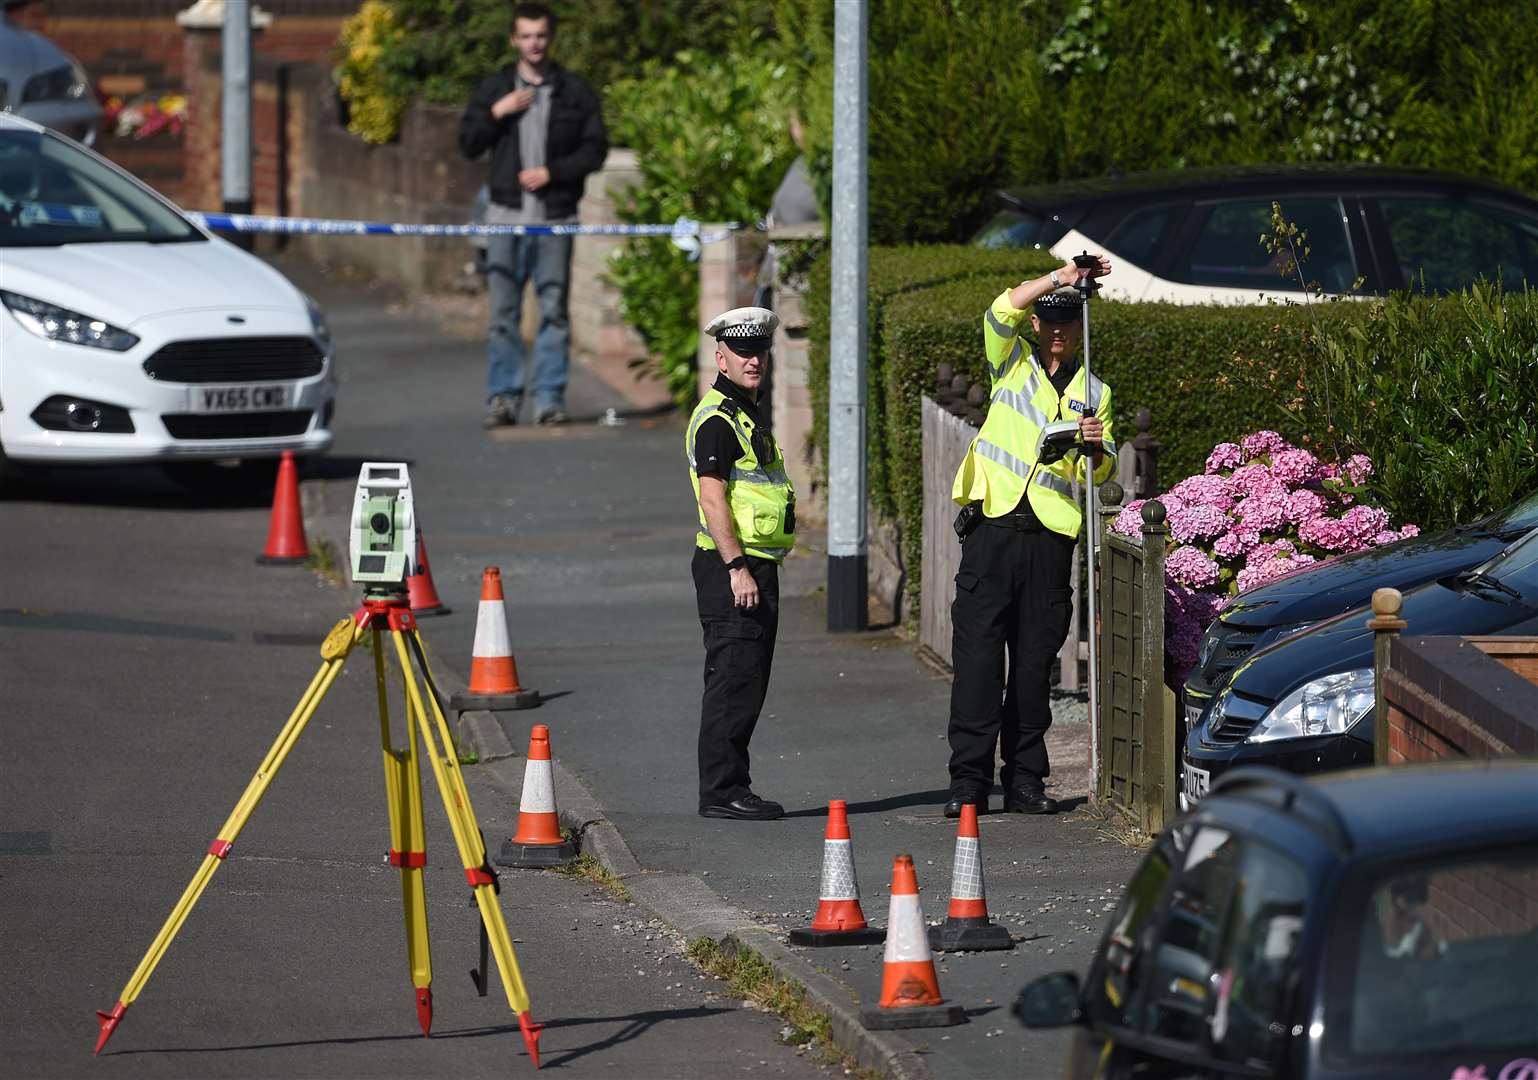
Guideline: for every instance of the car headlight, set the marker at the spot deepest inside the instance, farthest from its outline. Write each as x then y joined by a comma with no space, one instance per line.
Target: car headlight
61,324
1324,706
66,83
318,323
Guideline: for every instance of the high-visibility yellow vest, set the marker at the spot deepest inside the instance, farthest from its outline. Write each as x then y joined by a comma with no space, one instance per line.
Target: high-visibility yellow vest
1001,464
758,493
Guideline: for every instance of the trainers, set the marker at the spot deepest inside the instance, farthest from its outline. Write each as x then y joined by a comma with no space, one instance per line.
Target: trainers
501,412
553,415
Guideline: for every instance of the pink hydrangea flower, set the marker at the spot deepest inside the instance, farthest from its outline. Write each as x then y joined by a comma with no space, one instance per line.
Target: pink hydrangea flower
1197,521
1224,456
1254,576
1206,490
1409,531
1265,511
1235,543
1262,443
1331,534
1294,467
1364,522
1264,553
1172,503
1387,536
1358,468
1130,521
1304,504
1190,566
1248,479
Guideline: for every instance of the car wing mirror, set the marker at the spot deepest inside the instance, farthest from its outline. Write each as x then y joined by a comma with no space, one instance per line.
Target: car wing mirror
1050,1001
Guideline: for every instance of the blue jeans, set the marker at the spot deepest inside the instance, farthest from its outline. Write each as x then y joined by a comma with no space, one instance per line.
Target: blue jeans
511,262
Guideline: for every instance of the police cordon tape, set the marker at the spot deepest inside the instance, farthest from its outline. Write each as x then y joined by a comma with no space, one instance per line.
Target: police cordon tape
682,229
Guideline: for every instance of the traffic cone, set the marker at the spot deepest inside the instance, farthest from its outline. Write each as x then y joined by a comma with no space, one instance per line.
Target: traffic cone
493,674
967,927
538,841
910,993
419,586
839,920
285,532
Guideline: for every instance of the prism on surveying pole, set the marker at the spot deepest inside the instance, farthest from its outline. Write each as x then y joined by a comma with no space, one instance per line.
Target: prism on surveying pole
235,138
846,378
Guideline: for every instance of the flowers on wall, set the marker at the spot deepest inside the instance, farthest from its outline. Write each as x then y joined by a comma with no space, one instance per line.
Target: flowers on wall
145,116
1261,509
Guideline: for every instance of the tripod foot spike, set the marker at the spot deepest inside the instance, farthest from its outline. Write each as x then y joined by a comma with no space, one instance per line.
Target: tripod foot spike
109,1022
425,1008
531,1032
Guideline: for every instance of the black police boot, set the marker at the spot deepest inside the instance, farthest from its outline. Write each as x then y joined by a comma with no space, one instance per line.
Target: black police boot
978,799
747,808
1029,799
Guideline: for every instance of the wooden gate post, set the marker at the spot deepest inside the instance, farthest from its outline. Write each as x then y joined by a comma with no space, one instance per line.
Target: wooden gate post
1158,735
1385,625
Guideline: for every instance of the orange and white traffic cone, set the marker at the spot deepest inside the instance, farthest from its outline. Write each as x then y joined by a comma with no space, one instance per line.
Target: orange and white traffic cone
538,841
286,545
422,593
967,927
839,920
910,993
493,673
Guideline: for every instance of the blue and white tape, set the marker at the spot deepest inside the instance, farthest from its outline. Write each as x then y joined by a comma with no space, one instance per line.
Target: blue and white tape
685,233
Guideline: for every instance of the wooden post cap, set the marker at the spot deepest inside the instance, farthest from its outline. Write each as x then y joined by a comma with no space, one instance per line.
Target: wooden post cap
1386,604
1154,513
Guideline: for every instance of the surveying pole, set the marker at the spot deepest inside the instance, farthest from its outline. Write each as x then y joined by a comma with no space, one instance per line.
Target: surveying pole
1087,286
847,540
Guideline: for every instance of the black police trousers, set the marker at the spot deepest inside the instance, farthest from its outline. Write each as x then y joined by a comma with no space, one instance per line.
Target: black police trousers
1012,600
739,651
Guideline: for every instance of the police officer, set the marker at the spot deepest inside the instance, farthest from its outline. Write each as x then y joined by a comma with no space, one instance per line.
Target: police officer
747,513
1020,521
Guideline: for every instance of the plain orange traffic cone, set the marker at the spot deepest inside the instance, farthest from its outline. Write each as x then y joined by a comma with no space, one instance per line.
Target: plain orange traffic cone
419,586
538,841
493,674
839,920
967,927
285,531
910,993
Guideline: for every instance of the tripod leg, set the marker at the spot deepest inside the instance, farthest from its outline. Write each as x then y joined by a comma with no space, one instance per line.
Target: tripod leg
467,835
339,642
408,840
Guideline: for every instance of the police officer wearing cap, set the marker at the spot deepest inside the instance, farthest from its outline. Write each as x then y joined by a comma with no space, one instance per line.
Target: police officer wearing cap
747,522
1019,522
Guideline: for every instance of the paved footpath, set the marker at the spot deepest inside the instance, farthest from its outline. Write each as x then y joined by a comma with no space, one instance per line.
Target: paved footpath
592,526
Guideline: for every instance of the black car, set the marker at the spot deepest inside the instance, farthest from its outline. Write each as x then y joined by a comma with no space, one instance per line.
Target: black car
1191,235
1305,702
1370,924
1275,611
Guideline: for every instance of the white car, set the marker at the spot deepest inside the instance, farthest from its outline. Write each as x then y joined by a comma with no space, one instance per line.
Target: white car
129,334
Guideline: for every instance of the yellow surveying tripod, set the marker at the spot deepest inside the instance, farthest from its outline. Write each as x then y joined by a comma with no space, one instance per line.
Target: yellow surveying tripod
382,612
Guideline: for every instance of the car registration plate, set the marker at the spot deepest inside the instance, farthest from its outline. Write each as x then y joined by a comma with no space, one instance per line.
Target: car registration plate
1194,784
235,399
1193,714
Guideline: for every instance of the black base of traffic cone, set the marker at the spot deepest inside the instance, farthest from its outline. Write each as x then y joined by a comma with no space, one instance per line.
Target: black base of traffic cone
535,856
523,699
969,935
914,1016
820,939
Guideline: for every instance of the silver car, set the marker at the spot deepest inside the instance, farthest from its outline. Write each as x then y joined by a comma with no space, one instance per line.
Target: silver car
45,84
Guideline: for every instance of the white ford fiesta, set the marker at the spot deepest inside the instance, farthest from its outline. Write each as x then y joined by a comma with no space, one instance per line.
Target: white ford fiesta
129,334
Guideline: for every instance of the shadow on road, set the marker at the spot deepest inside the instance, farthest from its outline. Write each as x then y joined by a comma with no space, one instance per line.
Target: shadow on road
881,806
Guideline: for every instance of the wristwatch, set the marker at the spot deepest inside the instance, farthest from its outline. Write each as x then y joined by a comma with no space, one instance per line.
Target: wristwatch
739,563
1057,282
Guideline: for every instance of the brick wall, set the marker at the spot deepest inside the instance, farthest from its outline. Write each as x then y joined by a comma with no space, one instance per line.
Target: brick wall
1447,698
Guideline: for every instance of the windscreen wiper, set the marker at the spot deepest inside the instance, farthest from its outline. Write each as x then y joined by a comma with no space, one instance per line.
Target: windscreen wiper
1479,579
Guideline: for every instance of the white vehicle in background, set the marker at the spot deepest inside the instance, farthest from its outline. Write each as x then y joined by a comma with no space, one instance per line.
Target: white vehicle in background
42,82
129,334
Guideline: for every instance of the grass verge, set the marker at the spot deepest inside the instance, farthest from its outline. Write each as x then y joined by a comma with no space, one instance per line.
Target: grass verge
1112,824
322,561
750,977
586,868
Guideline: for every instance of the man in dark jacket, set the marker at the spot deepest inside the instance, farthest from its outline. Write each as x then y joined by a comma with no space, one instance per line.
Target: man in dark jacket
544,128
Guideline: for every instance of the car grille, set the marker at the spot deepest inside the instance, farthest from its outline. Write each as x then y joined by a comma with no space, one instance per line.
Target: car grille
1238,718
257,425
1233,645
236,360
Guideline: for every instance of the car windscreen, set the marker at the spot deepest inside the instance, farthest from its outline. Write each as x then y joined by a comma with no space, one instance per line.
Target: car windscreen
1013,229
52,193
1519,516
1517,565
1445,960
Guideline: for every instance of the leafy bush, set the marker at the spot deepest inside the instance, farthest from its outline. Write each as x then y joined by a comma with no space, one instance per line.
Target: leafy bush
712,143
374,106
